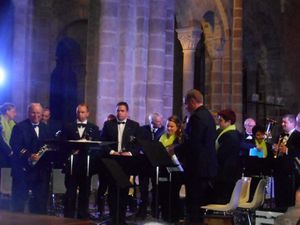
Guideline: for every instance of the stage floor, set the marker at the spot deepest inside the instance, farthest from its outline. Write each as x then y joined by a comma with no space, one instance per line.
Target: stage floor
10,218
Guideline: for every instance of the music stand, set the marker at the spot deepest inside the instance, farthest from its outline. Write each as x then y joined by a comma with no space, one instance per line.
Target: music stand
158,156
88,146
119,177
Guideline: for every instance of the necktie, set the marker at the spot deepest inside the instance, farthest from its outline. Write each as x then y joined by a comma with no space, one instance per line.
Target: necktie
36,129
153,134
81,125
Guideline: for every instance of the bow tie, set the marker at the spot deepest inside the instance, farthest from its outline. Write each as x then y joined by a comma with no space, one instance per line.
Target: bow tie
121,122
81,125
35,125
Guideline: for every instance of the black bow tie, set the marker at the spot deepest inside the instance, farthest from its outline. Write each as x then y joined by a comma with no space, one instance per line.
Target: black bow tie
35,125
121,122
81,125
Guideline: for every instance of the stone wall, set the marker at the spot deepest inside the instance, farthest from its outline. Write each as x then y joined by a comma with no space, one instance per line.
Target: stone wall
135,57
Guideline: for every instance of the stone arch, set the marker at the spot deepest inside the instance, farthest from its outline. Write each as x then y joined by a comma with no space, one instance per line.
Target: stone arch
211,17
64,85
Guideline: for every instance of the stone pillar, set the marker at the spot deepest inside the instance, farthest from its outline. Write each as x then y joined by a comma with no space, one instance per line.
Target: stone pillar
189,38
214,41
21,64
237,59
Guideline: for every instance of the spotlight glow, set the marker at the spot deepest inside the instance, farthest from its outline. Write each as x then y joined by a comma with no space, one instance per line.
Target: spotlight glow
2,76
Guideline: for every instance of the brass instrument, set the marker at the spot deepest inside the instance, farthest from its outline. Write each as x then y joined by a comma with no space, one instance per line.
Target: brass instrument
281,142
268,133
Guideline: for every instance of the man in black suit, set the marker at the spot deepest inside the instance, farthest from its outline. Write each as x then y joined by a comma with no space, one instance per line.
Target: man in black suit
151,132
286,177
27,138
199,154
53,126
122,130
78,170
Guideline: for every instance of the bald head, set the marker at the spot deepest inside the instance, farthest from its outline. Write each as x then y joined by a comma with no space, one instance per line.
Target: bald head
35,111
193,100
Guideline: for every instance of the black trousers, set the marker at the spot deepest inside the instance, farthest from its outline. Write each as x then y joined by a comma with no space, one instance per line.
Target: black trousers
78,179
144,189
36,180
198,193
117,202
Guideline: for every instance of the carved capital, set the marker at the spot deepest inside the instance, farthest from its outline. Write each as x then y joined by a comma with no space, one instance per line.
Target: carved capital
189,37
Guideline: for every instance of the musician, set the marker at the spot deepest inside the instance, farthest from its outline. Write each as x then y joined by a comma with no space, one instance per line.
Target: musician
249,123
298,122
247,137
54,126
259,155
287,148
7,116
228,147
120,131
77,175
151,132
171,207
27,138
198,150
102,188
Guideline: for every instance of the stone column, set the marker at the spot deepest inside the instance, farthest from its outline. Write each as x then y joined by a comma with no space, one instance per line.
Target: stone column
189,38
22,60
215,40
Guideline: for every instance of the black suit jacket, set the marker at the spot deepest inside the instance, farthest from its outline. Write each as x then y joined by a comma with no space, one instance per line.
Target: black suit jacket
286,162
228,156
198,148
110,133
147,134
91,132
24,137
70,132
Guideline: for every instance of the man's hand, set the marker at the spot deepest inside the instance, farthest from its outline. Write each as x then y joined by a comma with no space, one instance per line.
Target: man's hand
35,157
125,153
283,149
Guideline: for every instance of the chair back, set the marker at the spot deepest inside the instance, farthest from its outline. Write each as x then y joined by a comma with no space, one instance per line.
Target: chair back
235,196
245,192
259,195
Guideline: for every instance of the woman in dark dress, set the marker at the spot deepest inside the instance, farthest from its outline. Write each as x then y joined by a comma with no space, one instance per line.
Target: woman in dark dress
171,207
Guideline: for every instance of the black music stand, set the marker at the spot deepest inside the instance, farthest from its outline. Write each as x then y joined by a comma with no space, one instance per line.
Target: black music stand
157,156
87,146
119,177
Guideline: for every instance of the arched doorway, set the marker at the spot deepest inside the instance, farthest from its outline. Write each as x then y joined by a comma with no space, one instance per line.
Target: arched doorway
63,88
